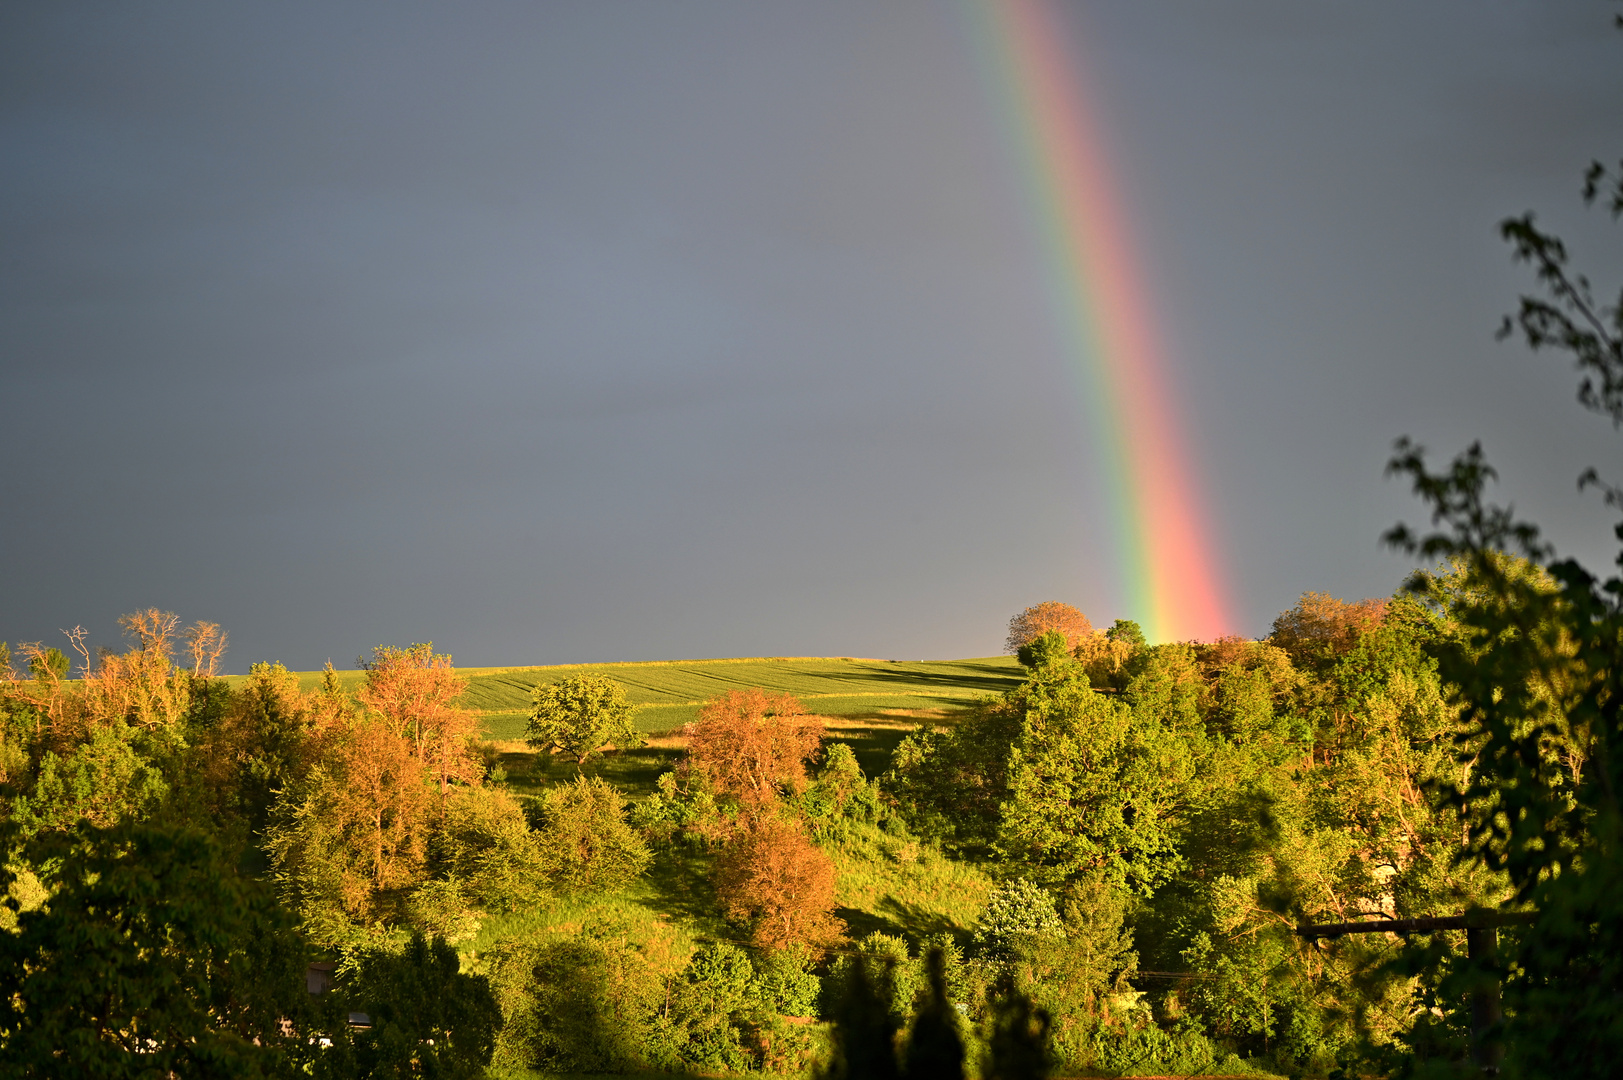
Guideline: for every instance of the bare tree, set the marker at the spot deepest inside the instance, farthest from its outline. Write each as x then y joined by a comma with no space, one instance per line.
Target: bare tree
205,641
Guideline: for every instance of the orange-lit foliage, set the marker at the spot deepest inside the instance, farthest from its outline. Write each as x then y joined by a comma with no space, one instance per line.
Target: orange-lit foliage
749,743
380,807
1320,626
772,875
415,689
141,687
1034,622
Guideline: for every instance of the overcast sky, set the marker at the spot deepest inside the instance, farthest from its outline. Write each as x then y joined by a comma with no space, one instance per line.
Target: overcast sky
608,330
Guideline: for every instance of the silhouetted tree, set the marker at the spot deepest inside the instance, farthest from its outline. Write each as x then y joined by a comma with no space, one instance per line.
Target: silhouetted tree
864,1033
935,1051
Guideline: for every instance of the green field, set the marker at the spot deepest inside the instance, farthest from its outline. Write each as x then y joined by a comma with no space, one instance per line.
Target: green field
668,693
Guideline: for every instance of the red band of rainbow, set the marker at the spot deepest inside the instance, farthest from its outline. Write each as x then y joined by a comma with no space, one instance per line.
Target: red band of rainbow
1164,544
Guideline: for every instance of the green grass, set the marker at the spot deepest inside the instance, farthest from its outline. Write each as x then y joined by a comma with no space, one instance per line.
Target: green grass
668,693
691,682
903,887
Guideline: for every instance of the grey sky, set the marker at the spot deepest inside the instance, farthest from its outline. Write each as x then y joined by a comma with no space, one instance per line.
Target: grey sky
612,330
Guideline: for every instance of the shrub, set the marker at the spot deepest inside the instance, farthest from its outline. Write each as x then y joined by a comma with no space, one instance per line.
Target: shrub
1018,911
715,1007
486,843
428,1018
890,976
586,840
577,1005
840,793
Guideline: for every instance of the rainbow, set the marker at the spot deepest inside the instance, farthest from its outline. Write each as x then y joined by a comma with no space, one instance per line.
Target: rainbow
1106,324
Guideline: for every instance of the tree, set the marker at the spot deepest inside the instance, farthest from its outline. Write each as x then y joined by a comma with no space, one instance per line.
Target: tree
416,690
770,874
266,742
205,644
102,781
350,842
579,715
152,958
1049,615
749,744
1046,650
1538,673
1320,627
1093,785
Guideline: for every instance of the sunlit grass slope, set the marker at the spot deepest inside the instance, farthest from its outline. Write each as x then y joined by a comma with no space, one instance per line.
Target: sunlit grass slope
667,694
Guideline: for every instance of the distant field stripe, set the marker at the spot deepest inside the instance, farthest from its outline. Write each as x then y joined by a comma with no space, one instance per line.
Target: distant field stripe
876,694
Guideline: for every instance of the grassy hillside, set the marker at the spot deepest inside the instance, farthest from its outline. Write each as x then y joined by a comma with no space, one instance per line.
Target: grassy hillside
668,693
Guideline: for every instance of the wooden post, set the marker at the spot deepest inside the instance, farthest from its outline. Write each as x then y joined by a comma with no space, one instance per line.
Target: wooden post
1481,945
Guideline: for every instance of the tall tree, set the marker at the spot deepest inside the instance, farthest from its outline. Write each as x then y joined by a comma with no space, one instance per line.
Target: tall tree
154,957
770,874
1538,673
416,690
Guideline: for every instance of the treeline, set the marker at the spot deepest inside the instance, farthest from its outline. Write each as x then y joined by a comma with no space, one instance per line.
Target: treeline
1159,818
1180,809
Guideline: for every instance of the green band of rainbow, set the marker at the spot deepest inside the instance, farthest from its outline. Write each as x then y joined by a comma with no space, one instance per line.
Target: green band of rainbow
1162,540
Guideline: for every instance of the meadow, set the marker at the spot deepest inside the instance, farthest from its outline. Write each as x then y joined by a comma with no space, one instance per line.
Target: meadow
668,693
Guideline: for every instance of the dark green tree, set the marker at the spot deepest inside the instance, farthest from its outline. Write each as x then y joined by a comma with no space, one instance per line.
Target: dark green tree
1536,665
1046,650
152,958
427,1017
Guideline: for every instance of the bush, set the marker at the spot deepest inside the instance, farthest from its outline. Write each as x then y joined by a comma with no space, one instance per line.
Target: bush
586,840
1017,911
486,844
578,1005
714,1009
428,1018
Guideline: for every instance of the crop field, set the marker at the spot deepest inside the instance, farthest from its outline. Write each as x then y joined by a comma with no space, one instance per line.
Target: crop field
667,694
